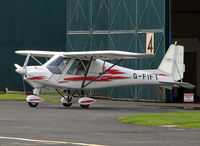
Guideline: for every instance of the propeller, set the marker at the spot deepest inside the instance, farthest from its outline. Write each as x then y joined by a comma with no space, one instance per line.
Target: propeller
26,61
23,70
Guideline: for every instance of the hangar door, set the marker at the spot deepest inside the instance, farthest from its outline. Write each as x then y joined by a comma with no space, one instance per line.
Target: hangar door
119,25
28,25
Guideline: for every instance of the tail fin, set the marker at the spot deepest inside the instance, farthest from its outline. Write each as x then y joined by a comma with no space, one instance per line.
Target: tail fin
173,62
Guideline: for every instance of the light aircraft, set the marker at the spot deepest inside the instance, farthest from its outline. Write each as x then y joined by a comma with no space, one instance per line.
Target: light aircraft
79,71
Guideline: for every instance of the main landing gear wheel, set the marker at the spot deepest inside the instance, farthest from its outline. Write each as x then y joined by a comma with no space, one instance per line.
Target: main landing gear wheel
84,105
66,104
66,101
85,102
33,104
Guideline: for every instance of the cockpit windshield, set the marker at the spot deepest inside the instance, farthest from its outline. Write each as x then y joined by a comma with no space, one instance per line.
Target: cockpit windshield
58,65
76,67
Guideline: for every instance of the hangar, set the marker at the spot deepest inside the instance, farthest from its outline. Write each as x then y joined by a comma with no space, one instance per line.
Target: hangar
185,22
126,25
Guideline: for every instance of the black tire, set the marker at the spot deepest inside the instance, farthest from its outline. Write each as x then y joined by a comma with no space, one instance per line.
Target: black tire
66,104
33,104
84,105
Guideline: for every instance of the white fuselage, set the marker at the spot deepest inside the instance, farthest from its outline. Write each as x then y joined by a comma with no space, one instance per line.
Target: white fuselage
42,77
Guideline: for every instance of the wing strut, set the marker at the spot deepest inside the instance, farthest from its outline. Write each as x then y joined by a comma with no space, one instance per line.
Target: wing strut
36,60
82,86
83,83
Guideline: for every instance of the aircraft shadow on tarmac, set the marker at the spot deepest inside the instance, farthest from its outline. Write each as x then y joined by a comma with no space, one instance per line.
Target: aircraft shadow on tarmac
136,109
146,108
90,108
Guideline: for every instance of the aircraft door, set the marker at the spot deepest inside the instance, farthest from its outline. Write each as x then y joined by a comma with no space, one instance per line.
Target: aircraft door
78,67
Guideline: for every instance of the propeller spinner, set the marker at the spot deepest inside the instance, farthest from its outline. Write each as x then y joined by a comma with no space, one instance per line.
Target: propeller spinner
20,69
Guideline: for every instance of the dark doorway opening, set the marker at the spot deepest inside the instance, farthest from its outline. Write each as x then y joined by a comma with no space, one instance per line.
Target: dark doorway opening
185,22
190,76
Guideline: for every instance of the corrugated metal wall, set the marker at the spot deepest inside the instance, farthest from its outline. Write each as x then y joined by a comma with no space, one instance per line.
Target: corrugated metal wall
28,24
120,25
83,25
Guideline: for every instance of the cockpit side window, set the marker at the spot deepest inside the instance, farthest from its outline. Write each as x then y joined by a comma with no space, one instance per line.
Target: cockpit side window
78,67
58,65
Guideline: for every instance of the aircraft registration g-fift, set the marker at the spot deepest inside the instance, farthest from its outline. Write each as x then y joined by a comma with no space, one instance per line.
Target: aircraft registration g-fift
79,71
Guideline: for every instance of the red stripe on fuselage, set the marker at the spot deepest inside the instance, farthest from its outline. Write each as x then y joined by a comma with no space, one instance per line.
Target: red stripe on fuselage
37,78
102,78
160,74
63,82
113,72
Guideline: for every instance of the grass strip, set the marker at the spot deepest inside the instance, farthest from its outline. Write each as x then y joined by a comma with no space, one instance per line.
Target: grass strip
184,119
22,97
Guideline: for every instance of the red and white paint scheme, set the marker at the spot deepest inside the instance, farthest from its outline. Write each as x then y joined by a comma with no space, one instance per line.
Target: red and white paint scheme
85,101
34,98
89,70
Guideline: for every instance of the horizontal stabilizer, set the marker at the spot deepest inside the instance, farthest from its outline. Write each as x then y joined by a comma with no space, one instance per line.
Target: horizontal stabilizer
177,84
186,85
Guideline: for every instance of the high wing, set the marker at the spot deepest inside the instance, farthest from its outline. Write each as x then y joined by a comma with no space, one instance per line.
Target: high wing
37,53
86,55
106,55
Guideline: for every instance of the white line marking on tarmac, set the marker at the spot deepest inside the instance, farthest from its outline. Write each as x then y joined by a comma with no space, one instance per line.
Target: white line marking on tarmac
47,141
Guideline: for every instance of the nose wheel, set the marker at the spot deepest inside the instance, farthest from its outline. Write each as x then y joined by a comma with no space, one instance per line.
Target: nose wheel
34,100
33,104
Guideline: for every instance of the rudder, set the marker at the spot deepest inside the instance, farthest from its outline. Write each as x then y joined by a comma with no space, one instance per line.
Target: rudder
173,62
